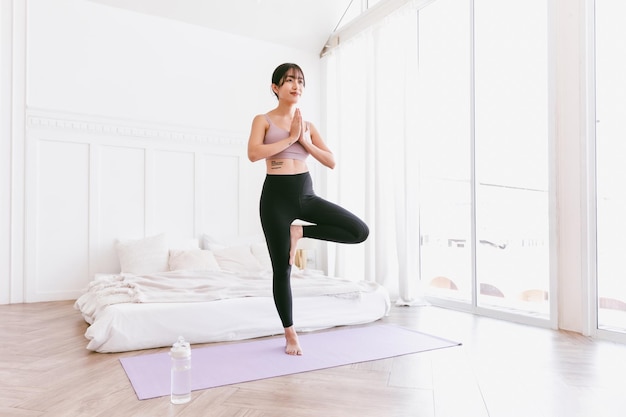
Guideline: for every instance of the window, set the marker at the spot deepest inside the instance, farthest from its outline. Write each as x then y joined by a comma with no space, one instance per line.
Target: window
445,149
484,154
511,137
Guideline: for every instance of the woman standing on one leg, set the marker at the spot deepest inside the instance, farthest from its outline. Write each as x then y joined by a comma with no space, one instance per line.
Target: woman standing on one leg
285,140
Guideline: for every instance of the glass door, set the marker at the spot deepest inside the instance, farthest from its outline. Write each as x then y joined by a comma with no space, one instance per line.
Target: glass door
511,159
484,211
445,150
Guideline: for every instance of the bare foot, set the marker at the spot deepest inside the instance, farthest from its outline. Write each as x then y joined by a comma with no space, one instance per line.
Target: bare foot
293,345
296,232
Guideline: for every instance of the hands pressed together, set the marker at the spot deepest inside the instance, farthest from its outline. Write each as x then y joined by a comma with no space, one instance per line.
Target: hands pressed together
299,129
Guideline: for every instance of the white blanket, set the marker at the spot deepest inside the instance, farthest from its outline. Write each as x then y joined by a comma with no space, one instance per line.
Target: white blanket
187,286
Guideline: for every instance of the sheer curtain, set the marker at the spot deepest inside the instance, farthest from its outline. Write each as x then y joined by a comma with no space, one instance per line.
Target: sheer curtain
371,84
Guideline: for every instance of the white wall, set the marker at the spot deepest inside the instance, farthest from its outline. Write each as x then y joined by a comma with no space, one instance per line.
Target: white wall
93,59
5,148
123,125
91,180
12,104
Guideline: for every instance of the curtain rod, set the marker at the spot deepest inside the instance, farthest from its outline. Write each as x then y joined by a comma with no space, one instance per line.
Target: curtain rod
368,18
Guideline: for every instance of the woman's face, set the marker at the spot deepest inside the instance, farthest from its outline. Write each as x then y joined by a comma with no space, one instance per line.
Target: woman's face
292,86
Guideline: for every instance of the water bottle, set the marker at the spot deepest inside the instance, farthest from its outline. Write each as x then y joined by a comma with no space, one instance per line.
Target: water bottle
181,372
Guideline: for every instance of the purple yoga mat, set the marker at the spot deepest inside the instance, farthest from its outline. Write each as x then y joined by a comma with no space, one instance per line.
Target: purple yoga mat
232,363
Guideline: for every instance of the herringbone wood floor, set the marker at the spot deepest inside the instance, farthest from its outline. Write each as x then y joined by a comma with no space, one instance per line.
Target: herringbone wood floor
502,370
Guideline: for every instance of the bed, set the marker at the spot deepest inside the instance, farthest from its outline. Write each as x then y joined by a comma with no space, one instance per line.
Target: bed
211,292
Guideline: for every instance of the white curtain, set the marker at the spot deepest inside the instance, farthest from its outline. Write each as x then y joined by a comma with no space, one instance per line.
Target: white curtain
371,84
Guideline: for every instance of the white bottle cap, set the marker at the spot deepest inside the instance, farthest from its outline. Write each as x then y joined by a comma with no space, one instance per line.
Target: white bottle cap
180,349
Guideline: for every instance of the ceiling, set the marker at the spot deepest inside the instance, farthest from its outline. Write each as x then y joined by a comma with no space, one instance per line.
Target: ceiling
301,24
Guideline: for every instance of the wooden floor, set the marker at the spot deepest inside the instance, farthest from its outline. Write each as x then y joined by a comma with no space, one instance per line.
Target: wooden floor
501,370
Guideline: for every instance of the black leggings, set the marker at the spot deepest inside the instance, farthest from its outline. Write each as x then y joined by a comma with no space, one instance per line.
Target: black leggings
284,199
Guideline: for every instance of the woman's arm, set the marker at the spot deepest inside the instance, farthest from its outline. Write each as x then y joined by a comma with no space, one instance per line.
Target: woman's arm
312,141
258,150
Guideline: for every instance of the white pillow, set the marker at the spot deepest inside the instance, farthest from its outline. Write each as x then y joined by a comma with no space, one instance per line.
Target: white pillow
237,259
260,252
143,256
193,260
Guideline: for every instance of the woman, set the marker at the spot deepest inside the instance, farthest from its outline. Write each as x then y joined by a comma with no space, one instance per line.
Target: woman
285,140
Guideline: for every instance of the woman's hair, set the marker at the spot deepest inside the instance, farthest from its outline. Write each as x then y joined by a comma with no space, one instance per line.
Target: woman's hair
280,73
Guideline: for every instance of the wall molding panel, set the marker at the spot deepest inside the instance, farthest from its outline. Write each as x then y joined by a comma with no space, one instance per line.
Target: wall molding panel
82,124
92,180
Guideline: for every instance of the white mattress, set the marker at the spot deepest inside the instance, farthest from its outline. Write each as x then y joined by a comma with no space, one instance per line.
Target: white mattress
135,326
